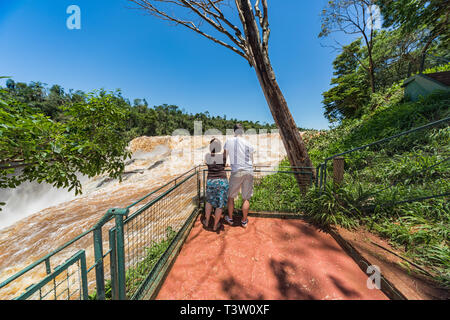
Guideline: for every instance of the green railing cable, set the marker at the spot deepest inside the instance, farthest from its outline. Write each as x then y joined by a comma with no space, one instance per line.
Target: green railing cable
323,167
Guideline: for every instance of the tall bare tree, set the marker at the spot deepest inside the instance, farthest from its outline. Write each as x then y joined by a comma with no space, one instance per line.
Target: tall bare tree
250,40
353,17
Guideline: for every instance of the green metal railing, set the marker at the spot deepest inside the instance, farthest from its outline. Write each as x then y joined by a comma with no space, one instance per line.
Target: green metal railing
275,196
382,153
128,249
130,234
50,285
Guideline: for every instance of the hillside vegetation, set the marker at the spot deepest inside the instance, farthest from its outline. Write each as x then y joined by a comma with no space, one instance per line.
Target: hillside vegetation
410,167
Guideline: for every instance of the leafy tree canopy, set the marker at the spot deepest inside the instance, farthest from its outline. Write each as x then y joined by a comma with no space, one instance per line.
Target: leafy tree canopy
88,140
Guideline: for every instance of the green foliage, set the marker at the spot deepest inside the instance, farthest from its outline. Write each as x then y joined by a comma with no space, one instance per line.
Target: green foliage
376,179
442,68
350,85
89,141
165,119
386,120
416,15
142,120
418,40
267,195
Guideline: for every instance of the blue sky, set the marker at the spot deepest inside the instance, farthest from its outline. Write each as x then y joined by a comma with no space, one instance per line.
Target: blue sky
147,58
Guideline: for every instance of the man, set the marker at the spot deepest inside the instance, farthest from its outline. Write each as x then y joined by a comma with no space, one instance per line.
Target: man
240,152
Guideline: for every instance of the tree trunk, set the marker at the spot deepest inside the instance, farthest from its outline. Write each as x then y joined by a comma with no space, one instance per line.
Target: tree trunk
423,55
371,74
290,135
371,70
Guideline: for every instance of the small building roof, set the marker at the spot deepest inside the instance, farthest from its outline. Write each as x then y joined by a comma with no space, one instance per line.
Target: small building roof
443,78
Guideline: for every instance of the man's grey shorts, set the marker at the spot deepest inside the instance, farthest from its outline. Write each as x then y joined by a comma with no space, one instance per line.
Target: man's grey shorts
241,180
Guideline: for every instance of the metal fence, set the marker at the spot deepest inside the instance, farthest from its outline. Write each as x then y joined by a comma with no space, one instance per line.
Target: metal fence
123,255
151,229
275,188
130,235
407,167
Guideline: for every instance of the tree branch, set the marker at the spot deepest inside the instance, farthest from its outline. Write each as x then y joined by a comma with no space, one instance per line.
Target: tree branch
194,7
263,22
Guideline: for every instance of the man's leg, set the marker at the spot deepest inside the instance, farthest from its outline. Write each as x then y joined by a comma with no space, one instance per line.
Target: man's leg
247,193
245,209
234,185
230,208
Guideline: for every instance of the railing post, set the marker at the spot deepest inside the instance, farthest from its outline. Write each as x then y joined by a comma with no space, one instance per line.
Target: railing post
198,187
120,252
317,175
113,264
84,295
338,170
98,256
204,190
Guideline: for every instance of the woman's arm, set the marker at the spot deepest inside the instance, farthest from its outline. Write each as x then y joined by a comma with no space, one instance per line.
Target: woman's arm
225,158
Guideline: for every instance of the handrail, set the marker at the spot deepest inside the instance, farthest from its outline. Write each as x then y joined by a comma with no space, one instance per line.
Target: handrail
273,171
320,182
105,219
108,216
38,262
389,138
160,188
161,196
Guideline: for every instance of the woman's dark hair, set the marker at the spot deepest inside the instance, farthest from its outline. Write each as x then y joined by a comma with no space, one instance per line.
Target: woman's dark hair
215,146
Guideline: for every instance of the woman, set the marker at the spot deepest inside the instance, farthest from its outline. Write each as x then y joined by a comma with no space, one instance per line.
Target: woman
216,184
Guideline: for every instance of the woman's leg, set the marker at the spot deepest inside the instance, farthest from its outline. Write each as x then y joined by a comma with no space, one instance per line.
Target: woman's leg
217,217
208,209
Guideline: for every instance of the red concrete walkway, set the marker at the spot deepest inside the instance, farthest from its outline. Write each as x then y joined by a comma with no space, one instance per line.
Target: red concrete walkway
273,259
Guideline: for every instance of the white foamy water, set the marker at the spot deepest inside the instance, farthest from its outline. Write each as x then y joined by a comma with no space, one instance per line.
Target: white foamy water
39,218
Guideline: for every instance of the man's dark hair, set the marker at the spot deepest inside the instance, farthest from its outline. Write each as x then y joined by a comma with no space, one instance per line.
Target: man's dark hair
238,128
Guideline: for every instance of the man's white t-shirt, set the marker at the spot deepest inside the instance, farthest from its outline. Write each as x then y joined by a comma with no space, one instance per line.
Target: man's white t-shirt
240,152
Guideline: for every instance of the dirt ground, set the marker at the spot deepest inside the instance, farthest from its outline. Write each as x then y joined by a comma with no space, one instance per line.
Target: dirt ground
401,274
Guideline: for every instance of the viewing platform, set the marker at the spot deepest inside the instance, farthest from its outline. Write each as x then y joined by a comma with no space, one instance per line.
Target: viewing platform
272,259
